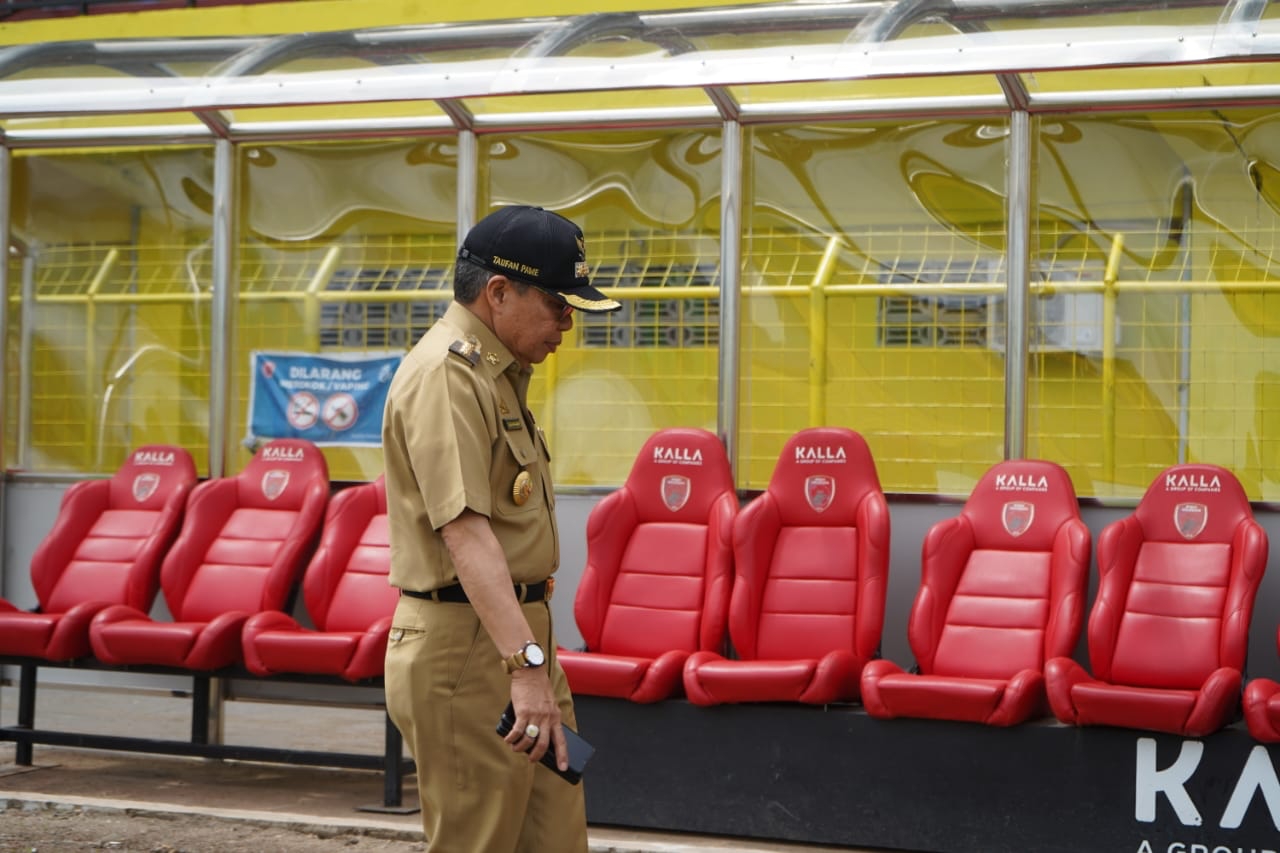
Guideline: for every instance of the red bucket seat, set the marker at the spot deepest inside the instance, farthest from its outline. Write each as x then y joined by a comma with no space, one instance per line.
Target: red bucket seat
811,566
1169,627
1002,590
105,548
656,584
346,593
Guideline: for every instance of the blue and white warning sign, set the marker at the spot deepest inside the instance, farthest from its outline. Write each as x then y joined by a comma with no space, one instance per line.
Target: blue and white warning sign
329,400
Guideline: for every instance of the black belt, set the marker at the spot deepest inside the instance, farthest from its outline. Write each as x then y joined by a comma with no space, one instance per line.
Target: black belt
454,593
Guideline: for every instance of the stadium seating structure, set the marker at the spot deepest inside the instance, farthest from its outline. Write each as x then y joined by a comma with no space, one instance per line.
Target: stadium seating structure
686,592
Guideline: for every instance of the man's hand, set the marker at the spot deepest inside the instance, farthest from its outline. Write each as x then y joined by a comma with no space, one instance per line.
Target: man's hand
535,704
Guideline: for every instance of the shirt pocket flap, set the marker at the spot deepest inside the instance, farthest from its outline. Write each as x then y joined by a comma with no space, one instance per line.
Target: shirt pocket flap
521,447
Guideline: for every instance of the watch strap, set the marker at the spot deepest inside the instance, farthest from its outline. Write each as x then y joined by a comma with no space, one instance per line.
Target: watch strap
519,660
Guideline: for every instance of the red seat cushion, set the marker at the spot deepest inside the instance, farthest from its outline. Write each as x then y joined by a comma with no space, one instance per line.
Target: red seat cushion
319,652
1132,707
621,677
1262,709
26,634
937,696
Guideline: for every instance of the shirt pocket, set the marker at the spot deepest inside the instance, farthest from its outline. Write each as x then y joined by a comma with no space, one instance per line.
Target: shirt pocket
527,468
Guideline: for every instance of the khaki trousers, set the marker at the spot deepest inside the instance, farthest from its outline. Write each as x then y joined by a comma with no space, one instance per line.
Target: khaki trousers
446,689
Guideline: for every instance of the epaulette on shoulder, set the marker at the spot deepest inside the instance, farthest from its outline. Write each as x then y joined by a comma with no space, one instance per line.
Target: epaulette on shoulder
468,348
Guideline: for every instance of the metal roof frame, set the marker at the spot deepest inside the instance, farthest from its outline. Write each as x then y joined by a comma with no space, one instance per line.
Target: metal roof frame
715,51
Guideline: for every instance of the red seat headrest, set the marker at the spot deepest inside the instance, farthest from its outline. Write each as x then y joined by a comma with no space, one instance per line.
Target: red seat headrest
150,475
1204,503
821,477
678,474
1019,505
280,473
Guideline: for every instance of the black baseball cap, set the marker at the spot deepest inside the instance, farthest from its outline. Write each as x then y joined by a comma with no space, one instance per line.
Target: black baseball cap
539,247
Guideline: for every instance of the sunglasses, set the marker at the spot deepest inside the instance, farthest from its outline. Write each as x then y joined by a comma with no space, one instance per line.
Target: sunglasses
561,309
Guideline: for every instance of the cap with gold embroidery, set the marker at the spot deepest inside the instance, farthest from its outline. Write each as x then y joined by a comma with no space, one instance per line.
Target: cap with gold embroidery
539,247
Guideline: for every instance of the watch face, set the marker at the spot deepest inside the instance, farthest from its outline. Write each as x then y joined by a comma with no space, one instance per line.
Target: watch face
534,655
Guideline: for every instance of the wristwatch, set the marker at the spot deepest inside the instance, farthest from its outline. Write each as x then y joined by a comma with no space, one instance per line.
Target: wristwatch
529,655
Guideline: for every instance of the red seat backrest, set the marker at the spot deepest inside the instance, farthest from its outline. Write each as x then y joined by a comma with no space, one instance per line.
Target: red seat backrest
810,553
1007,578
658,551
1177,582
345,587
246,537
110,535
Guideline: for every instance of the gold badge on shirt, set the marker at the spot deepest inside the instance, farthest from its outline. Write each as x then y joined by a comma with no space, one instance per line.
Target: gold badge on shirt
522,488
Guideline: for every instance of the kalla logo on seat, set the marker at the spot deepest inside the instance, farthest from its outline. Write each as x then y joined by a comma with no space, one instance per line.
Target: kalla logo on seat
807,455
1021,483
677,456
1192,483
153,457
276,453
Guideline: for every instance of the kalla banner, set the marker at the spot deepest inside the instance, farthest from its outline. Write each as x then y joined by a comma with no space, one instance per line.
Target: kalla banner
328,400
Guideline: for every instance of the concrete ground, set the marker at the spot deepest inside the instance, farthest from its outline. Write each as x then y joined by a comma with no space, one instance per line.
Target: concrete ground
324,802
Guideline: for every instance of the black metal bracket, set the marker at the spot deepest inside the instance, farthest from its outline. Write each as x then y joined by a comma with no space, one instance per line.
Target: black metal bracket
25,735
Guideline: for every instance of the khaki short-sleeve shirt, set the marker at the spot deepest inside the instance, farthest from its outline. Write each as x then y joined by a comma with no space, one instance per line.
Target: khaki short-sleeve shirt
457,433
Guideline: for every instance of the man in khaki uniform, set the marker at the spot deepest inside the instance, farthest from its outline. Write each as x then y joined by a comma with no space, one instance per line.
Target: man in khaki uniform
474,543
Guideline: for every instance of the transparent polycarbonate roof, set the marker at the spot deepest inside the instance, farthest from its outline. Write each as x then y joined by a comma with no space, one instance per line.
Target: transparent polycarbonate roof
753,63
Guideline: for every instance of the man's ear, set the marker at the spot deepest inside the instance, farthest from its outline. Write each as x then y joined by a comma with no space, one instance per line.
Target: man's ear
496,290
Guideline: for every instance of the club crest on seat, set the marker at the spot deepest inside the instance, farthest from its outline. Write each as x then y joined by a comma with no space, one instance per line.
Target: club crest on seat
1017,517
274,483
144,486
1190,519
819,491
675,491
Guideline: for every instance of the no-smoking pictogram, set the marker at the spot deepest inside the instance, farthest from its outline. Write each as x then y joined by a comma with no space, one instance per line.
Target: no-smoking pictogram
340,412
303,410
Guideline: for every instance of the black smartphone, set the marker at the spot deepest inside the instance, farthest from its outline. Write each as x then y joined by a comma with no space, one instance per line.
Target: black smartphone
580,751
